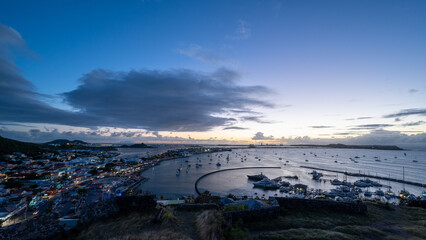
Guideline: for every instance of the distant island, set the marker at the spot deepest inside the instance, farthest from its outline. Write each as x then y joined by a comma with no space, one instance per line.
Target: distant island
137,145
66,142
9,146
377,147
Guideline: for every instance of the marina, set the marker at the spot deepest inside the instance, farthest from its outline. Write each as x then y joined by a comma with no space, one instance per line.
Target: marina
210,176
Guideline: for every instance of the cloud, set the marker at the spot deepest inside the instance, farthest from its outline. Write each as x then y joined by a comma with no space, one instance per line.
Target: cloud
261,136
175,100
413,90
201,54
321,126
243,31
235,128
407,112
383,137
19,102
358,118
257,119
410,124
96,136
370,126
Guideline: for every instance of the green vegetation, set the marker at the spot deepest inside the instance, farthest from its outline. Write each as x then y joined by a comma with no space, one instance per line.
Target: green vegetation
379,223
8,146
236,207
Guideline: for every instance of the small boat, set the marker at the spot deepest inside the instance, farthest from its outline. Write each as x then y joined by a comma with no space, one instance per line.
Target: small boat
285,184
285,189
336,182
379,193
316,175
256,177
368,193
404,194
389,194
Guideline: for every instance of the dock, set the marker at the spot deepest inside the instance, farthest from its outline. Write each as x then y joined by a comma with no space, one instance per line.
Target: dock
368,176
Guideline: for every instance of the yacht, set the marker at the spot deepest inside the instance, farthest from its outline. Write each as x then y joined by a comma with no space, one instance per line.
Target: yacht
285,189
379,193
285,184
256,177
368,193
336,182
266,183
389,194
404,193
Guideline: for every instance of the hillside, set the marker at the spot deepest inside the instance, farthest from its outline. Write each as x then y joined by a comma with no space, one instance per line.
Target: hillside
66,142
137,145
8,146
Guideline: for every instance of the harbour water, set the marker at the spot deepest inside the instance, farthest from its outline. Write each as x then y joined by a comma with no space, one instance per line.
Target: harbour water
163,180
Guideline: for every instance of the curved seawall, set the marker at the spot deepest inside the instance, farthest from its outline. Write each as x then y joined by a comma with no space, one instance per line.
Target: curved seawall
224,170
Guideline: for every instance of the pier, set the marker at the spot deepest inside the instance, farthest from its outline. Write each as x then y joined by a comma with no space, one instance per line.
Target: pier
223,170
369,176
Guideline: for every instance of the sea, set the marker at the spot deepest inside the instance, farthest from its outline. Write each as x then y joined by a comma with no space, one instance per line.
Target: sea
163,180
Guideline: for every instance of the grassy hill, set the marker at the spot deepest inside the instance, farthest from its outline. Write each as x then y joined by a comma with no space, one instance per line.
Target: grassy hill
8,146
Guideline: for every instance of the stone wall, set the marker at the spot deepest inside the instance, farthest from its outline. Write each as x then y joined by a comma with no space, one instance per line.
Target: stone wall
329,205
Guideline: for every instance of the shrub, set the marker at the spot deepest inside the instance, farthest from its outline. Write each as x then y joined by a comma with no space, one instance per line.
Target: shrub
236,207
209,225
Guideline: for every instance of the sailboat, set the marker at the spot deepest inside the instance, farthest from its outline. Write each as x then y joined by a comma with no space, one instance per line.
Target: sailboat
403,193
389,194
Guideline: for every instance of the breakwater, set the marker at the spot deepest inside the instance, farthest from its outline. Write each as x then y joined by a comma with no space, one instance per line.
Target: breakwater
367,175
223,170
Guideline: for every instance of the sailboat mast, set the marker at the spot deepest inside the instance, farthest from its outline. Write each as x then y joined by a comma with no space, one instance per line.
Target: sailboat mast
403,177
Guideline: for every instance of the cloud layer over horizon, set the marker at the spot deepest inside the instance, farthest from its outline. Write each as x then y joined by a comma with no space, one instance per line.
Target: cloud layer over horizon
173,100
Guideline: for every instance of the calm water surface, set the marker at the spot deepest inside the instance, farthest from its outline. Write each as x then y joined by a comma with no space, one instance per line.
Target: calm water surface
164,182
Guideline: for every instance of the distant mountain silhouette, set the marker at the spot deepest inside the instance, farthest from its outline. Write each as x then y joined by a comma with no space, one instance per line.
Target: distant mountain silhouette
66,142
339,145
137,145
8,146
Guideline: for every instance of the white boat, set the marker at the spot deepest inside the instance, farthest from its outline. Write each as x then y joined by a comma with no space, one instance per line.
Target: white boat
336,182
379,193
267,184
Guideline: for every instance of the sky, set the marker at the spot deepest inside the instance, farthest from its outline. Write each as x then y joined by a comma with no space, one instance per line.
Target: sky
214,71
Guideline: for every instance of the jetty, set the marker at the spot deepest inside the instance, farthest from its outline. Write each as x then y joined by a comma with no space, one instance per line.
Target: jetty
368,176
224,170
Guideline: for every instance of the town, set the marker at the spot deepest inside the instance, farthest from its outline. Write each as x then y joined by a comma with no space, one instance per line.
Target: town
65,182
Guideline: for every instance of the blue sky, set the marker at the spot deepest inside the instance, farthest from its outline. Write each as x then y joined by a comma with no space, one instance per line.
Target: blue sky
323,63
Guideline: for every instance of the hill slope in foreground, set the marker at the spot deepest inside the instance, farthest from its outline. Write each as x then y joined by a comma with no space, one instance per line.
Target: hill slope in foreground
8,146
379,223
